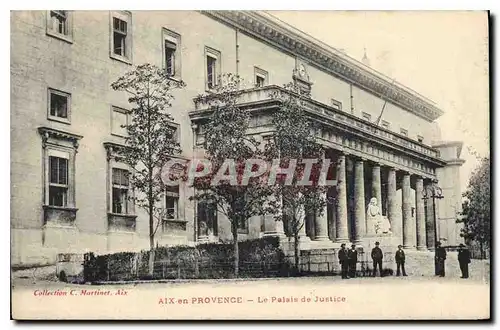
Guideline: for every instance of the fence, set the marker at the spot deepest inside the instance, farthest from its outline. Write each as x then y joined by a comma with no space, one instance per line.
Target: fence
199,268
257,258
325,262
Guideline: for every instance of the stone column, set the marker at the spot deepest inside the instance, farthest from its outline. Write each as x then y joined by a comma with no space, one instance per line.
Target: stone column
272,227
359,201
420,214
341,220
301,214
408,224
393,214
377,193
310,230
430,233
321,225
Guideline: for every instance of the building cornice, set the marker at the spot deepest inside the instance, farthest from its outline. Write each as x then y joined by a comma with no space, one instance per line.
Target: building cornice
344,130
457,162
271,30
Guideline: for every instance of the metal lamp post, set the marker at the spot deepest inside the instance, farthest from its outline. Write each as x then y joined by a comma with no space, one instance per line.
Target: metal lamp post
433,191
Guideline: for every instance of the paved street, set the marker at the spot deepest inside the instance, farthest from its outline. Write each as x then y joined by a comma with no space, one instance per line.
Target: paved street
306,297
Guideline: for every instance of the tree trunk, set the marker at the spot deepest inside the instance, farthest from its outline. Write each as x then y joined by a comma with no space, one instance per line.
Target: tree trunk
296,250
151,261
151,229
150,195
235,247
481,250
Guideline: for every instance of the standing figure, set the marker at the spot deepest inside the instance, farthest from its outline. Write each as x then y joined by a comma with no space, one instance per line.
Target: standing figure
344,261
352,255
464,260
377,257
439,258
400,261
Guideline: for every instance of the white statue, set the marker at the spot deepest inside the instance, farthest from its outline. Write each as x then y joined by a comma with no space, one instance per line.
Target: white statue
373,216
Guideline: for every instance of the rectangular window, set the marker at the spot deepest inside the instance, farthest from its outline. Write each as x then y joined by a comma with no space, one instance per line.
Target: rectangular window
119,121
121,186
386,124
366,116
59,105
211,71
172,53
59,148
212,66
172,203
243,225
403,131
59,21
58,181
121,38
261,77
170,57
207,219
260,81
175,131
59,24
420,139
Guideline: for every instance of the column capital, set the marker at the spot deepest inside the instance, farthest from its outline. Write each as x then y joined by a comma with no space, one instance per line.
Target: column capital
342,153
357,158
419,177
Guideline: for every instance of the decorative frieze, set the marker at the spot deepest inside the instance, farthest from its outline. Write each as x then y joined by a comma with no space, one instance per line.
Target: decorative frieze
374,153
341,131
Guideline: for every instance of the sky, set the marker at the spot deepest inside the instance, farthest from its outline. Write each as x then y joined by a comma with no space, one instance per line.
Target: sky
441,55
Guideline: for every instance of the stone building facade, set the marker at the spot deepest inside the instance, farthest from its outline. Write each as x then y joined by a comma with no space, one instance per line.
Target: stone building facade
68,191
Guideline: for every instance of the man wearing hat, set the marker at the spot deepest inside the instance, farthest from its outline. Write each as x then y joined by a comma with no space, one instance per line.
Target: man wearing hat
344,261
464,260
377,257
439,258
400,261
352,254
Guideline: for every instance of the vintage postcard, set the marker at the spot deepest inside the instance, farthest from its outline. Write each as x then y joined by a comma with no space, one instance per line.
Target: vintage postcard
250,165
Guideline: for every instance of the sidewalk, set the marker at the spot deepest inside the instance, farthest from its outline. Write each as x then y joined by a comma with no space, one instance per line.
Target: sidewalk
479,272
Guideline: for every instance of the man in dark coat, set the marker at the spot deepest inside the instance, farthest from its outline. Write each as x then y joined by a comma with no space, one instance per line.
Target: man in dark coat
400,261
464,260
344,261
352,255
439,258
377,257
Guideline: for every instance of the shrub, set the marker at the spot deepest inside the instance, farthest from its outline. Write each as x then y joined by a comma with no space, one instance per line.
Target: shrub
258,258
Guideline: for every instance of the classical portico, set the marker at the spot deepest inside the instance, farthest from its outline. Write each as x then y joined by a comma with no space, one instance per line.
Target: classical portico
399,197
372,164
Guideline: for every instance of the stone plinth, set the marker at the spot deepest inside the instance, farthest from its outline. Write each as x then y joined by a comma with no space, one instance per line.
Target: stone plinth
273,227
386,242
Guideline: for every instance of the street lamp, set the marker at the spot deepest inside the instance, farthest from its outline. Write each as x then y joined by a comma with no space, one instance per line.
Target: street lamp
433,191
